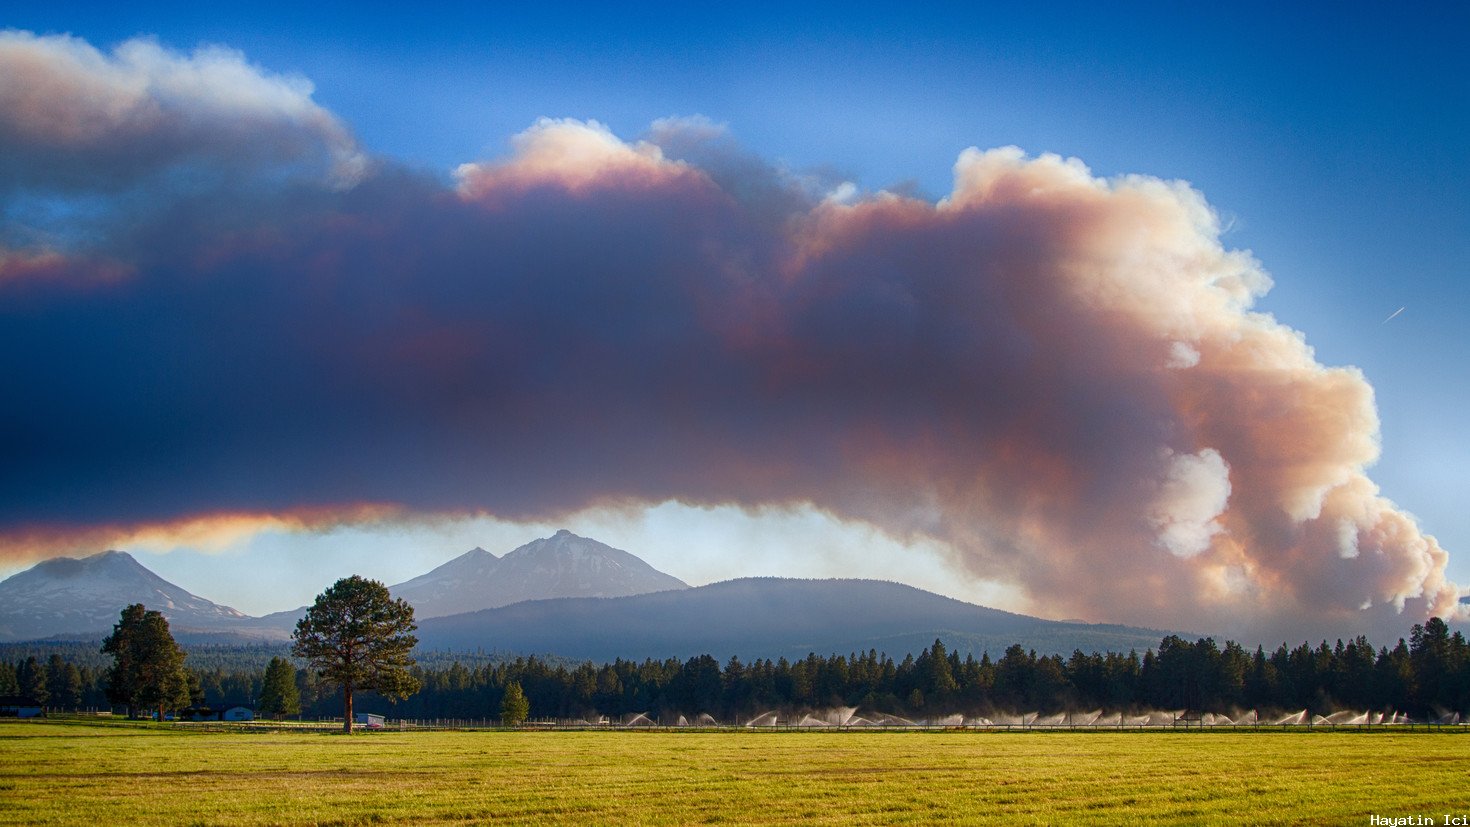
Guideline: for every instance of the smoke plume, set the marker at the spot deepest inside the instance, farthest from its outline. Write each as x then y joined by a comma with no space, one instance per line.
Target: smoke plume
1059,377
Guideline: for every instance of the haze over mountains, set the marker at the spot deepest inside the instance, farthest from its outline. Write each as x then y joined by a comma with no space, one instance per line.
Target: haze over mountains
574,597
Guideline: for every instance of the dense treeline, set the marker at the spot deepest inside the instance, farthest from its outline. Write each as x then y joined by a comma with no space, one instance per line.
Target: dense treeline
1425,676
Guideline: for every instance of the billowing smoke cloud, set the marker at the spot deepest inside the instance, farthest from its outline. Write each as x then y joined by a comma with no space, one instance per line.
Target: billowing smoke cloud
1057,376
78,119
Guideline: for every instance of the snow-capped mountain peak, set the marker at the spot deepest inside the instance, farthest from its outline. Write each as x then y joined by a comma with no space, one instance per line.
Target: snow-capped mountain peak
84,596
562,565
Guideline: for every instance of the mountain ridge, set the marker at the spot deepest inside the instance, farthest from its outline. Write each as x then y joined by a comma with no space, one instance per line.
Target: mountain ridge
767,617
71,598
745,617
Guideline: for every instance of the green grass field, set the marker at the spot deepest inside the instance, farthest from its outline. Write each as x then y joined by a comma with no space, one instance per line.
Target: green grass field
107,775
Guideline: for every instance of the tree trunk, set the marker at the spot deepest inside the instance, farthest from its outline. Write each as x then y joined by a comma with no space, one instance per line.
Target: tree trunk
347,708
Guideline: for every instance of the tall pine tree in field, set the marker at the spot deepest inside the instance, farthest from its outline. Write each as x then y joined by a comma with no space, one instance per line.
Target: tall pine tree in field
148,667
359,637
279,696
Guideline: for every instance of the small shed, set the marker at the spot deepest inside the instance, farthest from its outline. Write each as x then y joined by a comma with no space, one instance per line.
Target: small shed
238,713
20,706
369,720
200,713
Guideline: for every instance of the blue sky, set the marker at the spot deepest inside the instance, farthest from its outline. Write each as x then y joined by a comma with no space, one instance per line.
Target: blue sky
1331,139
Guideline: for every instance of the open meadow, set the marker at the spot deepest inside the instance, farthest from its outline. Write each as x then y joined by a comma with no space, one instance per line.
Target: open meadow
88,774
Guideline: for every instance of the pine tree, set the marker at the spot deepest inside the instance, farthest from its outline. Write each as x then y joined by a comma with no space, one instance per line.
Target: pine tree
1429,652
148,670
357,636
55,675
33,680
9,683
69,693
278,693
938,673
514,708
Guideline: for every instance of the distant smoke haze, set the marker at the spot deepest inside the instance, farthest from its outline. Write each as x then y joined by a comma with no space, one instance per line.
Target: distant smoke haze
1058,378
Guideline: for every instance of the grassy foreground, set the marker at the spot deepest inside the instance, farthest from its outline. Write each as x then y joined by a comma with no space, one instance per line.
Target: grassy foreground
80,774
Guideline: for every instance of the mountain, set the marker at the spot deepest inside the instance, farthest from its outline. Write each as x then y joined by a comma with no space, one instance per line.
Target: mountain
749,618
71,598
562,565
68,597
767,618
